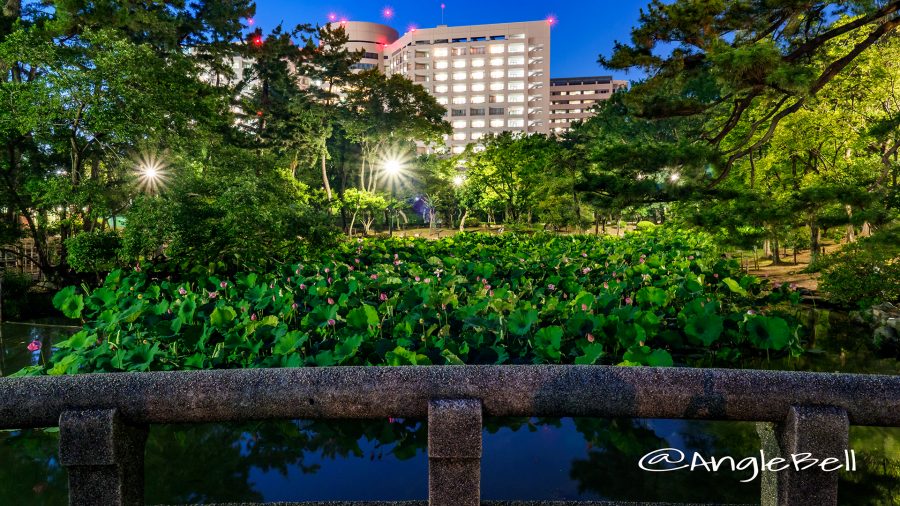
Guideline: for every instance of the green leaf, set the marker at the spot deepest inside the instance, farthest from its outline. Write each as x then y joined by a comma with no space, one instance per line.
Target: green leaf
70,303
547,342
363,318
734,286
705,327
768,332
222,316
652,296
288,343
521,320
591,353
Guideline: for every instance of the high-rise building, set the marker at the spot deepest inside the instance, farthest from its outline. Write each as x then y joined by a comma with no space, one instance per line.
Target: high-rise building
573,98
491,78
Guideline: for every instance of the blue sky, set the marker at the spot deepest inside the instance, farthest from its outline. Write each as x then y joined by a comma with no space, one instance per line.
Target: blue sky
583,29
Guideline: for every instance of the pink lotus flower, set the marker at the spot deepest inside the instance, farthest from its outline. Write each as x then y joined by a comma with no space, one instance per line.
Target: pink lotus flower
584,255
356,260
374,276
253,317
584,307
329,280
224,284
590,338
213,295
427,280
383,297
327,270
294,306
302,286
605,284
331,322
716,276
396,256
628,300
351,268
491,293
34,345
691,257
182,291
417,278
330,301
551,287
586,270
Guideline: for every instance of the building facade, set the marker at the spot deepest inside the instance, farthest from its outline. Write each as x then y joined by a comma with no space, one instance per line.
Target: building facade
491,78
573,98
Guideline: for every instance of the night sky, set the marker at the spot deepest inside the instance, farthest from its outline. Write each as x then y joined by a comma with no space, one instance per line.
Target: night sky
581,32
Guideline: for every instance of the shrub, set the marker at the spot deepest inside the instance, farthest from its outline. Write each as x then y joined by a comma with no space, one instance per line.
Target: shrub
93,252
15,294
864,273
473,223
645,226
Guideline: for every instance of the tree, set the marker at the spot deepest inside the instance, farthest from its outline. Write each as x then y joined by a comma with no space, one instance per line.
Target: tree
733,70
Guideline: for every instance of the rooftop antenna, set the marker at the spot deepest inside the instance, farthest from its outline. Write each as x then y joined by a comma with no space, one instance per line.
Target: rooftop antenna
443,6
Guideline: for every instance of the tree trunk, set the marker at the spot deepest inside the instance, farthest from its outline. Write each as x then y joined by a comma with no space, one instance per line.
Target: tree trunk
814,250
462,221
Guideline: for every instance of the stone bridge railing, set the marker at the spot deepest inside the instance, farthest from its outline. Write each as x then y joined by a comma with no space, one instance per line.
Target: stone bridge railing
103,418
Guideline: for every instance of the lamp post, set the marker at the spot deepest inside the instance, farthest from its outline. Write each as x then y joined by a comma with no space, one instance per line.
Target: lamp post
392,168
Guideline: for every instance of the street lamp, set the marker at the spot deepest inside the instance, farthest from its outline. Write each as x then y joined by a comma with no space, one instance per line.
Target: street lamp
458,181
392,169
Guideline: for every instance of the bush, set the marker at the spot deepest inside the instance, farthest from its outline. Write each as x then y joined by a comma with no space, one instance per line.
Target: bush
93,252
645,226
473,223
864,273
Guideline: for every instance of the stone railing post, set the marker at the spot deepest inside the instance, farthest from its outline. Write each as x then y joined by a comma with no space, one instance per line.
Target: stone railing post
454,452
821,431
104,457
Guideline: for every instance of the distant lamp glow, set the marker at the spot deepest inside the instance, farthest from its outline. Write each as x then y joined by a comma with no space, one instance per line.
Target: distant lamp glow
257,41
387,12
250,21
393,167
675,177
458,181
332,17
552,20
151,173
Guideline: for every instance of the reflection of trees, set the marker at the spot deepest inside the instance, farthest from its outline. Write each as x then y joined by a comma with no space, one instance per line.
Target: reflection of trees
210,463
29,470
877,478
213,462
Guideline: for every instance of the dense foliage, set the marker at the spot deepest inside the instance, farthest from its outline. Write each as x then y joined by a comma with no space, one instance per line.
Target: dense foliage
467,299
864,273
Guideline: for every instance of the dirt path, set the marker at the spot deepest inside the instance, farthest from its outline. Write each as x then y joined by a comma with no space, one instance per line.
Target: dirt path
788,272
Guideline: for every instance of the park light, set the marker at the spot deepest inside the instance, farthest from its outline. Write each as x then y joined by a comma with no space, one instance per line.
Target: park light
458,180
393,167
675,177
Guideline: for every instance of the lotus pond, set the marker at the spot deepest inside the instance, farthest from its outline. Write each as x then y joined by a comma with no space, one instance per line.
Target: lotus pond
649,299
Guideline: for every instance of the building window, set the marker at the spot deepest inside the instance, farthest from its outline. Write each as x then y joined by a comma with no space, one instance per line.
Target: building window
477,75
442,100
459,136
498,74
459,88
516,111
497,99
459,112
440,76
441,88
476,112
497,49
459,124
516,85
517,98
477,135
458,150
459,64
460,39
515,123
440,64
497,62
497,111
459,76
374,56
516,60
363,66
459,100
476,50
478,86
478,62
517,48
498,37
497,86
459,51
478,99
477,123
517,36
440,52
496,123
516,73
